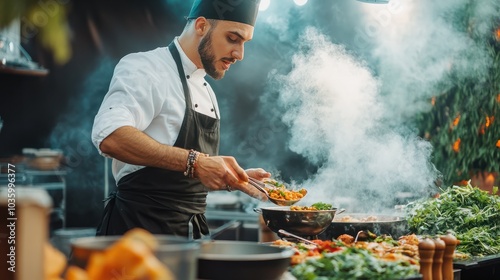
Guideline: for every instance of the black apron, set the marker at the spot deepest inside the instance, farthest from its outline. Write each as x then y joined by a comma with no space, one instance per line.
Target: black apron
164,201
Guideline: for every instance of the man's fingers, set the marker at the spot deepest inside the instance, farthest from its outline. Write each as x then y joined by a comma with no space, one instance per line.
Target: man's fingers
241,175
258,173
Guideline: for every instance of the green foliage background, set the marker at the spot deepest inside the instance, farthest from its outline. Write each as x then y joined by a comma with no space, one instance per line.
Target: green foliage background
477,103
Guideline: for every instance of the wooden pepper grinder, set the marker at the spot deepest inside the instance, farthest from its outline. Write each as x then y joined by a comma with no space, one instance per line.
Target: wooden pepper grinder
437,264
426,249
451,243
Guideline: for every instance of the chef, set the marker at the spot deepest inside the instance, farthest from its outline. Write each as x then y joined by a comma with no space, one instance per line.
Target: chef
160,123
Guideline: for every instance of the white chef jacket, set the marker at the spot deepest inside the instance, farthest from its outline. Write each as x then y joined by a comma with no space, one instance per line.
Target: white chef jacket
146,93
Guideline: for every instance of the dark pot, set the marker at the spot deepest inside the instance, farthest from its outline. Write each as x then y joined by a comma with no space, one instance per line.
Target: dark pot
242,260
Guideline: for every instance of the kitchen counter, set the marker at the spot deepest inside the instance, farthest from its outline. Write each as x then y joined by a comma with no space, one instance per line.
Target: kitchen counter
233,224
228,215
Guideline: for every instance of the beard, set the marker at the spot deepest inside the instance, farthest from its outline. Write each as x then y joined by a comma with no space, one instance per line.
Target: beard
208,58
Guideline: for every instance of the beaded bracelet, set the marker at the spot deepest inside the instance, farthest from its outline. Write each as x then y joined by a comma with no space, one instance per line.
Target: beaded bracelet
191,162
191,172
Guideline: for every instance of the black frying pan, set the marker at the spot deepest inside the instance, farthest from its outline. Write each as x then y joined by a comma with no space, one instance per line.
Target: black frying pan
393,225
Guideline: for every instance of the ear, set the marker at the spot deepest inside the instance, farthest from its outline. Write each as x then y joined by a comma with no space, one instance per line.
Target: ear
201,26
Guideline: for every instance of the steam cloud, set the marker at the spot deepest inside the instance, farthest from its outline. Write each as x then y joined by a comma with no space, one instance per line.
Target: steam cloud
335,116
350,117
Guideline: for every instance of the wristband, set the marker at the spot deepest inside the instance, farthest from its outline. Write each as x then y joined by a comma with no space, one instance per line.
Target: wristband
191,163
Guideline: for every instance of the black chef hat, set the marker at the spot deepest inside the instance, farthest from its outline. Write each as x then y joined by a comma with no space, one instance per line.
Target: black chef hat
244,11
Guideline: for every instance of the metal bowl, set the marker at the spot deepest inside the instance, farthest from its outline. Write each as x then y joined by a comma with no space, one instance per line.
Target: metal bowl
304,223
177,253
242,260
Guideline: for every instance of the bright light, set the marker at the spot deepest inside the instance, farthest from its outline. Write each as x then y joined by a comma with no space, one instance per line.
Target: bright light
300,2
264,4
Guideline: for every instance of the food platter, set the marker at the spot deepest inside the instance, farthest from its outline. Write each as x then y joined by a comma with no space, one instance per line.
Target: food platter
336,259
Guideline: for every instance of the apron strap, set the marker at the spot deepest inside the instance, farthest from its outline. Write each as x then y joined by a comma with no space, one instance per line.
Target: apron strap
109,205
182,74
198,227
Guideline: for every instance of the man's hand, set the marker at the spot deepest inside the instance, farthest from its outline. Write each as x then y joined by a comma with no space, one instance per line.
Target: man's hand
216,173
259,174
220,171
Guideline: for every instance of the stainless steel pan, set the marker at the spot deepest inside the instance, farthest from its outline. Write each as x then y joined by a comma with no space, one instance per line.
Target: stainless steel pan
305,223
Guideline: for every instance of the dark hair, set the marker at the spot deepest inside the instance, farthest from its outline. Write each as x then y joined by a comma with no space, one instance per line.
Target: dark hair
213,22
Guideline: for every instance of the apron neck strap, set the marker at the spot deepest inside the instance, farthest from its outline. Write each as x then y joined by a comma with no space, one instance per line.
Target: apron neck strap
177,58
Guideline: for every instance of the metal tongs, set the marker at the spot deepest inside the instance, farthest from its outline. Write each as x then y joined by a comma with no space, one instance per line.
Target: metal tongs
284,232
261,186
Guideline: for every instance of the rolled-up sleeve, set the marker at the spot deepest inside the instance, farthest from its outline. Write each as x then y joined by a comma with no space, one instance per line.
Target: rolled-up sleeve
130,101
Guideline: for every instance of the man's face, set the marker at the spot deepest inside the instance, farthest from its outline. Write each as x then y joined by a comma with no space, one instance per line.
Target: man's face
222,46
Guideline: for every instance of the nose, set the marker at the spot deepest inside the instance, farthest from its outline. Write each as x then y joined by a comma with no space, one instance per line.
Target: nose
239,52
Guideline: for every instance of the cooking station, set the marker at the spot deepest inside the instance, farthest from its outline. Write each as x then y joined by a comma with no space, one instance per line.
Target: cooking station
233,217
233,225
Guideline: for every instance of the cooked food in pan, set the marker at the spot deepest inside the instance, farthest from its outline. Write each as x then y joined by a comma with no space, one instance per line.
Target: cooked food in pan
359,219
314,207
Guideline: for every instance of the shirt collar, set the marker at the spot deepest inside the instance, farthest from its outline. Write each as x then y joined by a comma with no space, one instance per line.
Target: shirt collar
190,68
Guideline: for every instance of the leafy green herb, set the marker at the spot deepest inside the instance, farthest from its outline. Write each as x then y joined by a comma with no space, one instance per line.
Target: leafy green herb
322,206
472,214
353,263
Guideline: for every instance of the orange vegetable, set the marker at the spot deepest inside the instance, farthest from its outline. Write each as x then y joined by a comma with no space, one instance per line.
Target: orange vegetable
76,273
131,257
54,261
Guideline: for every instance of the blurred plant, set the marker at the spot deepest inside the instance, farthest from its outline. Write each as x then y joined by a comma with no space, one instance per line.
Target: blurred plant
463,125
45,20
